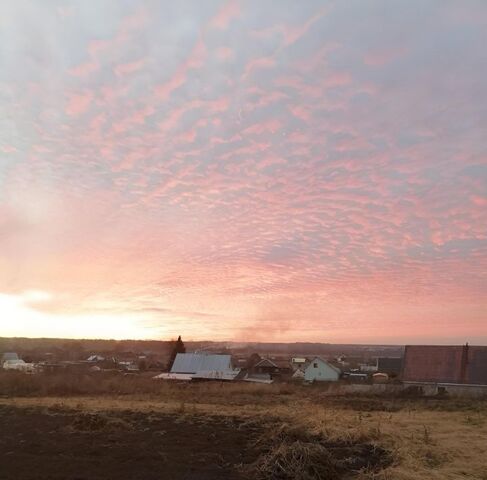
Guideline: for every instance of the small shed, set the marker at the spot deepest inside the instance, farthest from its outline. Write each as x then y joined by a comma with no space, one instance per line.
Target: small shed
320,370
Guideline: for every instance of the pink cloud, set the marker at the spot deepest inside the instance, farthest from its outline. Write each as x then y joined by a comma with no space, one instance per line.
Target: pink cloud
78,103
338,79
98,121
270,126
225,15
163,91
8,148
294,33
136,21
97,46
264,62
187,137
127,68
197,56
224,53
84,69
301,112
195,59
478,200
140,115
383,56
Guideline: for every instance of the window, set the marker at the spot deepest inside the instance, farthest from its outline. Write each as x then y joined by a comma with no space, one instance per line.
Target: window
315,365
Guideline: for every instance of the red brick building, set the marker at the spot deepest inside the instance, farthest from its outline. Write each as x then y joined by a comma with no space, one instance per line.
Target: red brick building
445,364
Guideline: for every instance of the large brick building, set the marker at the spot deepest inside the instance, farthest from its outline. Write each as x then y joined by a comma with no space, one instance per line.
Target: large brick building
445,364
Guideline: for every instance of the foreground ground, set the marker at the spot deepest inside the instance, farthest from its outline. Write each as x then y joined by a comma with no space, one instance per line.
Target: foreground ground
214,431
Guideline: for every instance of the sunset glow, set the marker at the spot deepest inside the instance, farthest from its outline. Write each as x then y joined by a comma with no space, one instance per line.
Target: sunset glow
268,171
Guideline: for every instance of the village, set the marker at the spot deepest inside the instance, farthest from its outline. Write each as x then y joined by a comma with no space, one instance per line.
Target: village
423,370
207,410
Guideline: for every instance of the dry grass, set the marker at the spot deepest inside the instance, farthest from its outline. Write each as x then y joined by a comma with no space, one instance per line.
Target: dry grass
438,439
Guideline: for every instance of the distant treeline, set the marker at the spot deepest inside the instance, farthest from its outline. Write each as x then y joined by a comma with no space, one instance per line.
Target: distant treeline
165,346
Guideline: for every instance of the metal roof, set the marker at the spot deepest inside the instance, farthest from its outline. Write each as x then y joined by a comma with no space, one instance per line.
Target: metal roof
265,361
9,356
174,376
201,362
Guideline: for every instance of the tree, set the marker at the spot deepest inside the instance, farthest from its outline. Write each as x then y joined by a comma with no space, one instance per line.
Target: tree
253,360
178,348
142,364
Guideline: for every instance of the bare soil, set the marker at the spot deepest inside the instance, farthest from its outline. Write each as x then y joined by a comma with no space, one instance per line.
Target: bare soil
40,444
57,442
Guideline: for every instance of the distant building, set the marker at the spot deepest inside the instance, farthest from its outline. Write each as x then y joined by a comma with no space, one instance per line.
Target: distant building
445,364
298,363
298,374
320,370
18,365
390,365
365,367
198,362
266,366
201,366
9,356
272,367
95,358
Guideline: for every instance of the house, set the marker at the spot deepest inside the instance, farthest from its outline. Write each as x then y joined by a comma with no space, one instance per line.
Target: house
266,366
201,366
298,374
320,370
201,362
463,364
95,358
18,365
9,356
367,368
272,367
298,363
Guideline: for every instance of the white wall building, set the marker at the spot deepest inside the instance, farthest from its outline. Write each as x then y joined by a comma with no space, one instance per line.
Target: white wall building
320,370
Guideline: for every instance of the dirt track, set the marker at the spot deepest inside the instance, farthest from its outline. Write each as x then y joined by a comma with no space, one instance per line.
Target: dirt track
41,444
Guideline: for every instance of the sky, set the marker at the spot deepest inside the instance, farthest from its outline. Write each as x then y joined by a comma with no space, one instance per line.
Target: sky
244,170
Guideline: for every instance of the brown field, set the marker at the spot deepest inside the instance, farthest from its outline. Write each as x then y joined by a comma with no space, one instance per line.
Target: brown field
113,426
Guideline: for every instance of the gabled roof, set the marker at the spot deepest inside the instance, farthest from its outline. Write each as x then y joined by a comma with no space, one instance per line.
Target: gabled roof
9,356
201,362
327,363
95,358
265,361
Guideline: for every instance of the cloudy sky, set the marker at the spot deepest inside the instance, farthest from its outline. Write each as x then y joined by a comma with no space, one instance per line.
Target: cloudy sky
253,170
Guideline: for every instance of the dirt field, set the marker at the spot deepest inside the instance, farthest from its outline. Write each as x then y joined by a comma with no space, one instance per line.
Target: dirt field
240,431
55,443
